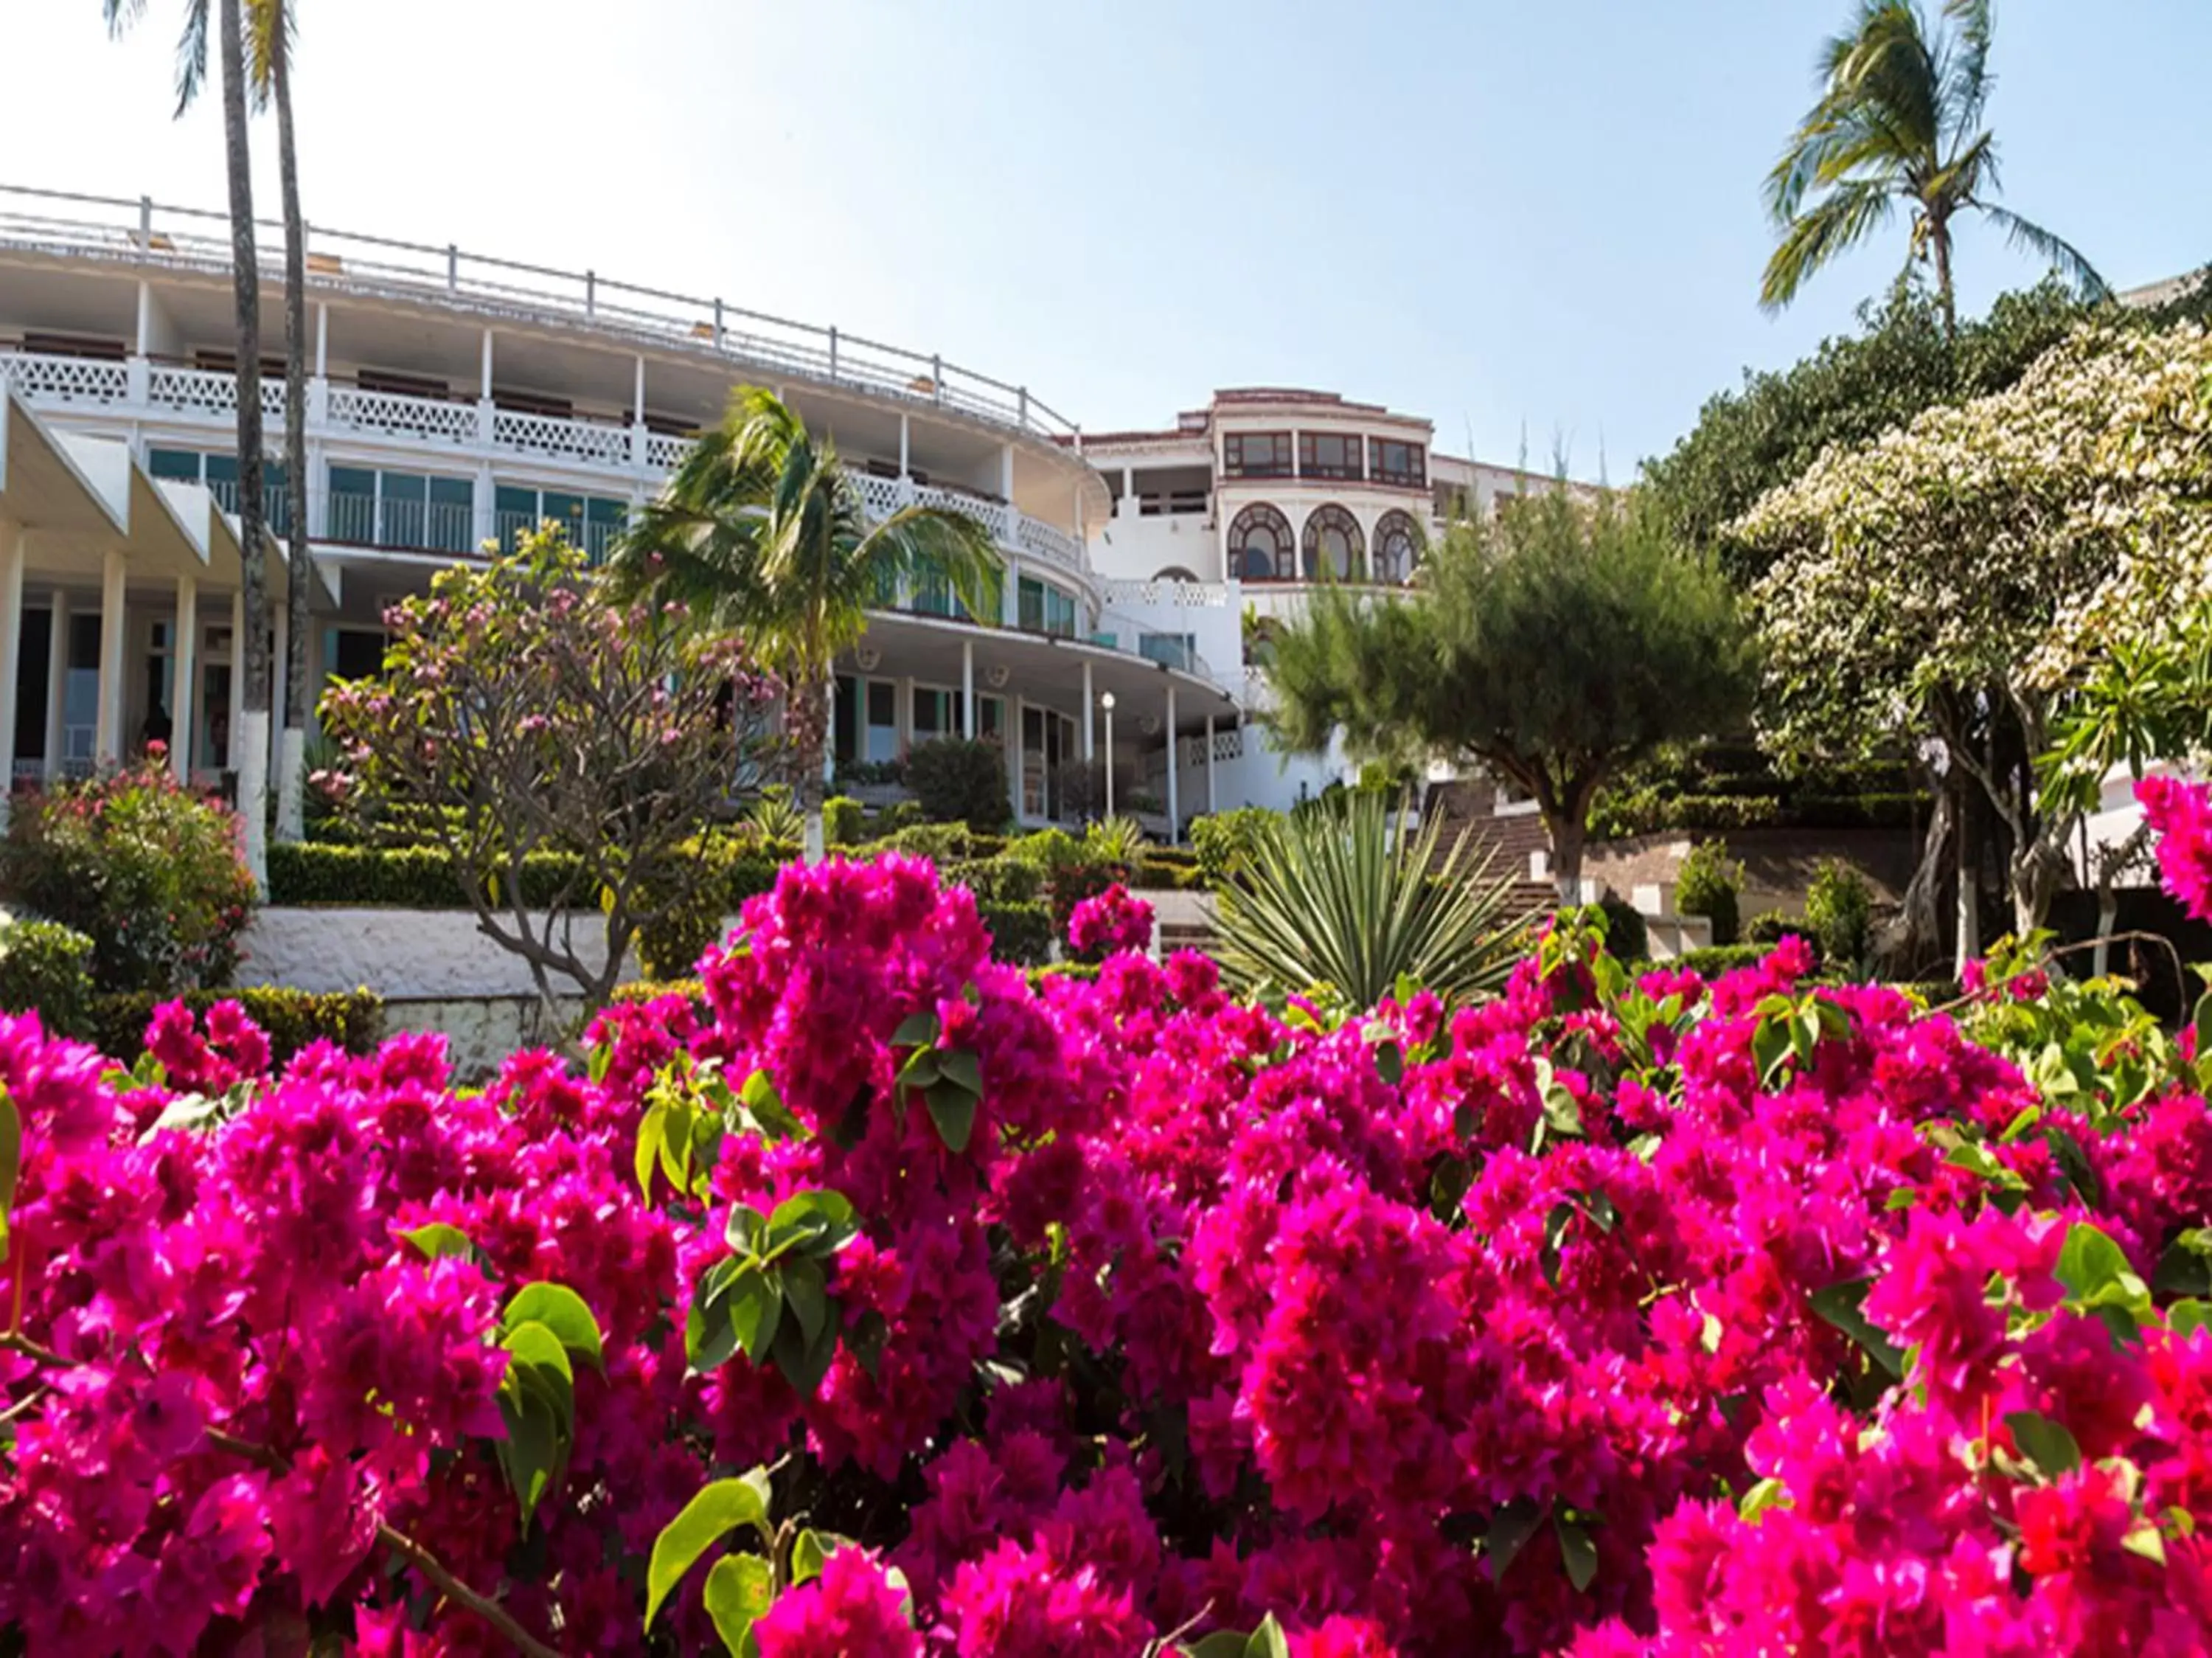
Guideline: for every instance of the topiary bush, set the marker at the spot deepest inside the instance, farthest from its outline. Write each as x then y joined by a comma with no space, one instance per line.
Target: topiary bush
410,877
1625,933
46,968
1840,916
960,780
1771,927
148,870
1707,885
844,820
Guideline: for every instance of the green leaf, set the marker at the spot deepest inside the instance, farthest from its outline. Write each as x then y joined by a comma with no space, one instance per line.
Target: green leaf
952,1108
804,1362
531,1450
1902,1197
1577,1552
825,1219
561,1310
2146,1540
650,1128
2044,1442
1770,1043
1839,1304
1510,1528
756,1310
1599,1208
740,1587
1766,1493
804,1293
710,1339
2095,1271
922,1069
916,1030
2184,1316
11,1163
2028,1117
746,1229
1390,1063
1644,1147
1268,1640
2201,1022
759,1096
437,1241
716,1511
1222,1643
808,1552
959,1066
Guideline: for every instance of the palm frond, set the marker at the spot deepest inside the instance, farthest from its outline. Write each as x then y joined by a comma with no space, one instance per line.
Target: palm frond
1838,222
2069,261
1966,77
193,54
271,29
1335,897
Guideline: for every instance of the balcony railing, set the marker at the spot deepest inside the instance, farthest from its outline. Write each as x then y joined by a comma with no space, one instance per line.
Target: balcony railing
142,232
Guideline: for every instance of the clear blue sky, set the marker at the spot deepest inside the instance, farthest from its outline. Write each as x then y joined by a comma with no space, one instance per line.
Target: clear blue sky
1508,217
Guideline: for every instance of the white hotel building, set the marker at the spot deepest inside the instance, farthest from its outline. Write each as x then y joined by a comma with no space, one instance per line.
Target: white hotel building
455,399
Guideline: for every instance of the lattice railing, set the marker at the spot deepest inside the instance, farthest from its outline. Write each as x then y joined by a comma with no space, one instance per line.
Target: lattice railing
881,497
664,451
1176,595
1041,540
64,379
588,441
992,514
429,418
208,391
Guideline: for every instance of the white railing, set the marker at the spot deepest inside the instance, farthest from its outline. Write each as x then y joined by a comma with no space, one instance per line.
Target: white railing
993,514
433,420
143,233
1176,595
665,452
68,379
1041,540
595,442
213,392
881,496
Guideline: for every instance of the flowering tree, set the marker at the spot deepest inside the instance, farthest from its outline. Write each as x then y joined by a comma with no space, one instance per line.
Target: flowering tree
1949,580
519,712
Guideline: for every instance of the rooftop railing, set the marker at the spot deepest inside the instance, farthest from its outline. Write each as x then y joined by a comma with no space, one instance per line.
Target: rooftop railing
144,232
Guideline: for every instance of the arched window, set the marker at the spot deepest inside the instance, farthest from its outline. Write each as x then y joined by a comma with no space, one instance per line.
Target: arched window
1260,544
1175,573
1397,547
1334,545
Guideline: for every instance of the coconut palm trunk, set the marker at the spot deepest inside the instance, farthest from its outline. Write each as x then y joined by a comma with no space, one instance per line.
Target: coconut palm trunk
299,694
249,656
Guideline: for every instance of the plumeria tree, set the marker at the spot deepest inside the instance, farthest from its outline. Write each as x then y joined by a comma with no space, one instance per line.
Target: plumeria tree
1948,581
521,711
762,534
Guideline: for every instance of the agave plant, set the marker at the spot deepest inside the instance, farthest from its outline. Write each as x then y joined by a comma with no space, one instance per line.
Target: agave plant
1341,898
1116,840
775,817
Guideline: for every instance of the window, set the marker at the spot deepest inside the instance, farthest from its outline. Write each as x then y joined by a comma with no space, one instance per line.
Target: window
883,722
1397,547
1043,608
1328,454
845,721
402,510
937,714
220,473
1260,544
354,653
1392,462
1175,650
1334,549
592,522
1256,454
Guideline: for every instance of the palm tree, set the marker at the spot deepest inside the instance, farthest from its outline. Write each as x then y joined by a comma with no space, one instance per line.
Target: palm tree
761,533
1899,122
250,655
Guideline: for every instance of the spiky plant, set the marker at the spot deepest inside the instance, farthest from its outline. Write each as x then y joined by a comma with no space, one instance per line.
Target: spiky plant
1340,897
1116,840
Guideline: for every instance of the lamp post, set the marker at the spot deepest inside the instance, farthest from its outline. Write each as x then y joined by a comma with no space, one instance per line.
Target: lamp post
1106,702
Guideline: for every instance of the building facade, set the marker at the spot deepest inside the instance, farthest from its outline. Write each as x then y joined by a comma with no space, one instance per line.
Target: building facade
454,401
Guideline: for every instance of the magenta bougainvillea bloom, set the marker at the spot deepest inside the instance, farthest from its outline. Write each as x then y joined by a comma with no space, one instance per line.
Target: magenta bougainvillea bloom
1108,923
2180,813
1600,1317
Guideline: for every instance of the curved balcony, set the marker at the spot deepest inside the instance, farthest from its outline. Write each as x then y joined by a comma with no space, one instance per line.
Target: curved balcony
143,234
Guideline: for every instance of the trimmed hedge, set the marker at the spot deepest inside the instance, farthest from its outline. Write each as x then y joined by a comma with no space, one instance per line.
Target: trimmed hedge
46,968
411,877
643,990
294,1019
1022,934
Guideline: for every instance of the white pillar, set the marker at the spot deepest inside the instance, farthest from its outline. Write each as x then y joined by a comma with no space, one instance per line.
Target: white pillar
1006,474
903,446
1174,817
484,389
183,715
13,557
107,733
637,403
1089,718
1014,770
967,689
57,665
1210,807
322,342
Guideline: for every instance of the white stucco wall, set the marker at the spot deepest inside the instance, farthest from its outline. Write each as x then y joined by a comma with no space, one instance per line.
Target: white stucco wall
396,952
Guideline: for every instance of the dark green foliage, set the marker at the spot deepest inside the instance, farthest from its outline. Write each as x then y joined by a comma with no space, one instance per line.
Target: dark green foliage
1160,873
652,989
844,820
1771,927
1707,885
673,943
1558,643
1022,934
1840,916
1717,960
413,877
941,843
1072,869
1220,839
997,881
46,968
1853,388
354,1020
959,781
1625,934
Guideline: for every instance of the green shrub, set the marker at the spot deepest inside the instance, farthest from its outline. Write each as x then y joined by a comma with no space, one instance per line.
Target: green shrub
961,780
941,843
1625,933
1930,992
652,989
354,1020
999,879
1771,927
1021,934
844,820
1718,959
46,968
1839,915
1082,971
1898,809
902,814
1707,885
411,877
1073,870
1221,840
146,869
775,816
737,869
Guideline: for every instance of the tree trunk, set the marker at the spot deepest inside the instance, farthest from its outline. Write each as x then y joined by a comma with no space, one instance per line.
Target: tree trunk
1969,946
299,695
813,733
1939,234
249,656
1567,835
1915,938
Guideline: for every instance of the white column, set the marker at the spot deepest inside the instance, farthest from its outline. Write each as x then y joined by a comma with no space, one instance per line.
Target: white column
1014,753
484,389
1210,807
967,689
322,342
107,738
57,663
1089,718
1006,474
1174,817
13,556
637,402
903,446
1127,506
183,715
